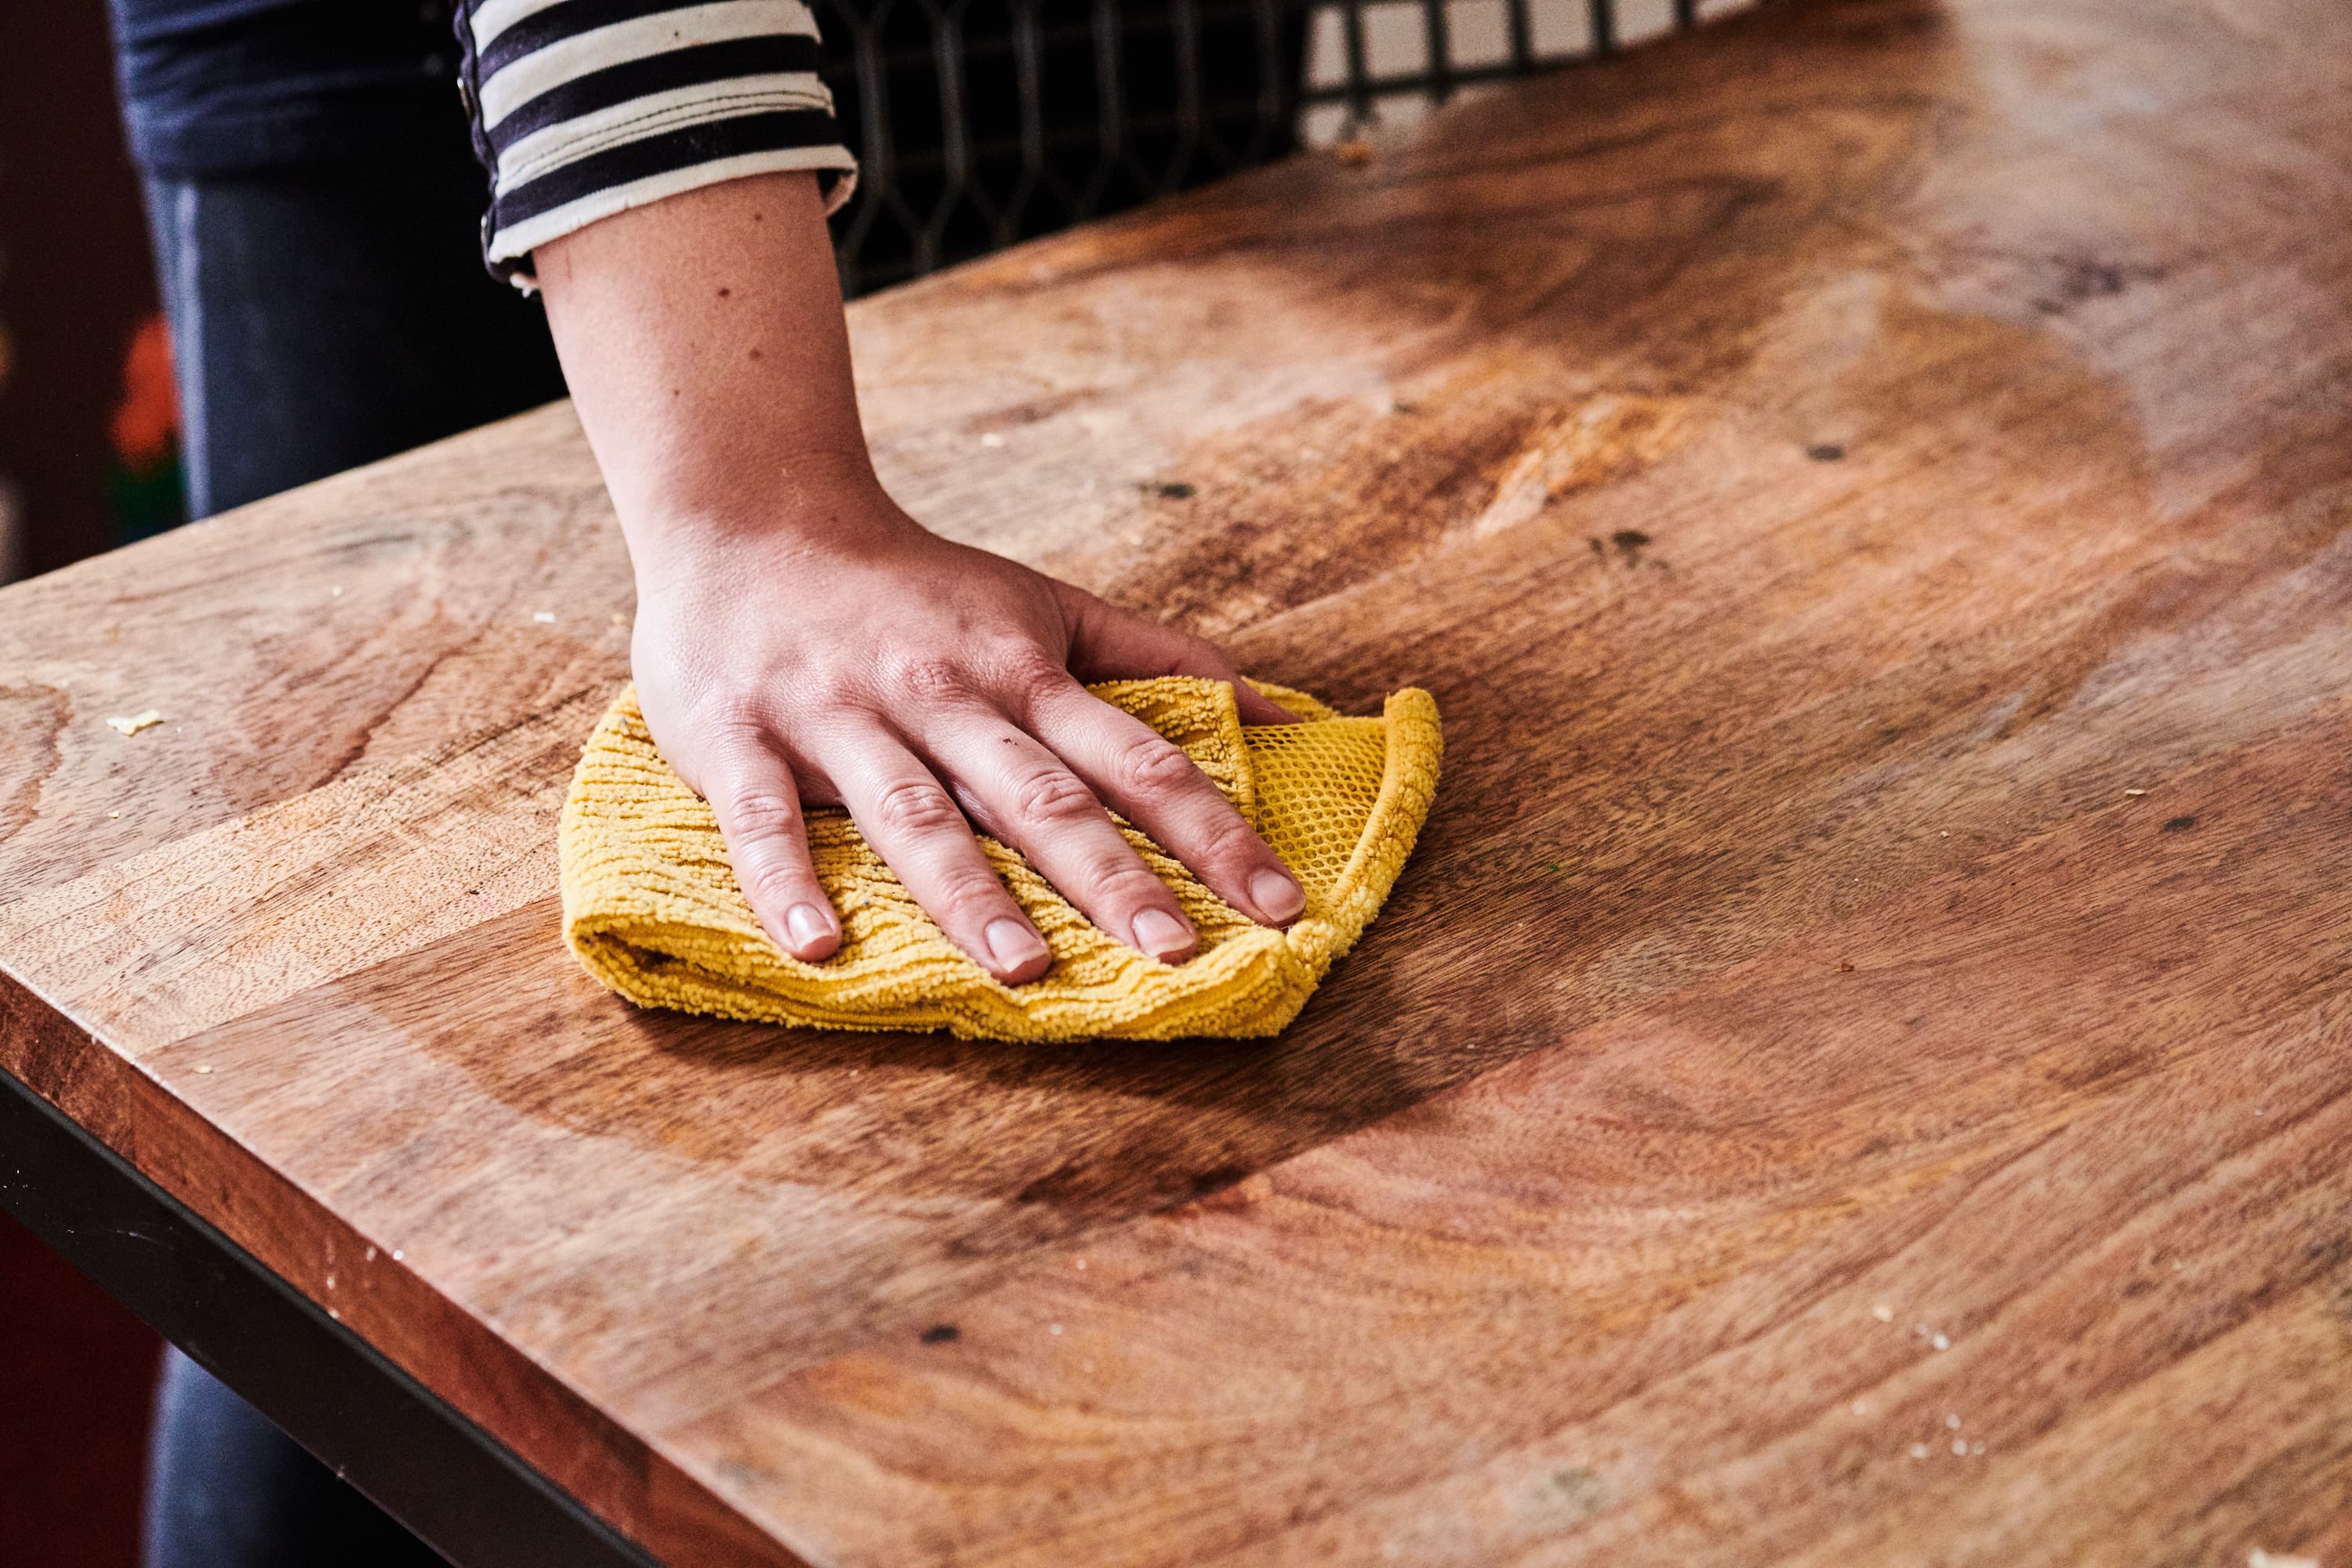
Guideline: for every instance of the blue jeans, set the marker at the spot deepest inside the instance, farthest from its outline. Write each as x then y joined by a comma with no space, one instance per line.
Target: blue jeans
324,317
321,317
227,1489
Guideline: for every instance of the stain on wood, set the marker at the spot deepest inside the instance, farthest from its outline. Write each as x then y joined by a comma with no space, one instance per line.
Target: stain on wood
1858,1070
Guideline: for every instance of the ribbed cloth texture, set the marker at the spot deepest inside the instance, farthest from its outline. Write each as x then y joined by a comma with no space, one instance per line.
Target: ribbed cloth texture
652,906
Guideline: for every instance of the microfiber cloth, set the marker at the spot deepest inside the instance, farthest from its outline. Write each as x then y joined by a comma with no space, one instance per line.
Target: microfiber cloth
651,908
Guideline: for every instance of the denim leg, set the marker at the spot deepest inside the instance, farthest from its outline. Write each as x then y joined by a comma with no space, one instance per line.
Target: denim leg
227,1489
322,318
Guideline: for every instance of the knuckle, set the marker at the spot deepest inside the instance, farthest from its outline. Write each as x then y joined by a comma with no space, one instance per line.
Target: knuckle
965,892
929,679
731,722
728,721
1030,678
1125,882
764,814
724,751
1154,766
916,806
773,880
1051,799
1228,837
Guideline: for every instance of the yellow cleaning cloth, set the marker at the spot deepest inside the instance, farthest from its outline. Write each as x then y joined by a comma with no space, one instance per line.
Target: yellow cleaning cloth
651,908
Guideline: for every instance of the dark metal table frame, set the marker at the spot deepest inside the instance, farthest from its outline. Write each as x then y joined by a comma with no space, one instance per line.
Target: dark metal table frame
459,1490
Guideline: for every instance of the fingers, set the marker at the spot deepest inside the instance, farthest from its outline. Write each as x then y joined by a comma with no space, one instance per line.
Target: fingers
1038,763
1024,795
1107,643
1155,786
909,819
758,804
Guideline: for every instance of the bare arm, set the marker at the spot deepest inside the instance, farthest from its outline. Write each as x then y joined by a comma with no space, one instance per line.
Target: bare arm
801,640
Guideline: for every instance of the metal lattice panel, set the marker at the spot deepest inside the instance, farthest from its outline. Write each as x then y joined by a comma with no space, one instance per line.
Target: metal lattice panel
981,122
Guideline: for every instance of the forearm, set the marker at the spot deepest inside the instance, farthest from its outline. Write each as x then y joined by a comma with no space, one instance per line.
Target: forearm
703,339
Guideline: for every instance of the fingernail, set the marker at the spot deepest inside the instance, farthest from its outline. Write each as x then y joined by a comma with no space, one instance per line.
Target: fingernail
1161,934
1280,896
1011,943
808,924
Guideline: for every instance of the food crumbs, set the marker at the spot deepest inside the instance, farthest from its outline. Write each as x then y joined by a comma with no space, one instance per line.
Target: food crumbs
371,1255
205,1067
397,1255
336,592
1960,1448
1883,1313
1941,1342
1844,968
1355,152
990,438
114,814
1976,1448
544,617
136,723
1918,1450
2258,1558
1861,1408
1953,1422
2134,793
1053,1328
619,619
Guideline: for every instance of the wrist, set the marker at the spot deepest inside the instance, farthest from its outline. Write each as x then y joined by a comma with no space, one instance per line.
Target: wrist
829,507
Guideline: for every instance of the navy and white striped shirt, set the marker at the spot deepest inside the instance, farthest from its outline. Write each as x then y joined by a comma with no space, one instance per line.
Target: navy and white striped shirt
579,109
587,108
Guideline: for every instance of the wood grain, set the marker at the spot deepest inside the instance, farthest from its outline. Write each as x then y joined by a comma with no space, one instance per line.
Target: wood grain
1870,485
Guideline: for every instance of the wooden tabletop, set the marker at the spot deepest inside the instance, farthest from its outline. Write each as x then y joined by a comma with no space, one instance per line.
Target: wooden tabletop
1858,1070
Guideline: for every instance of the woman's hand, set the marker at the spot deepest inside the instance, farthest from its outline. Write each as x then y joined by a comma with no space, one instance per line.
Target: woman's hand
801,641
929,687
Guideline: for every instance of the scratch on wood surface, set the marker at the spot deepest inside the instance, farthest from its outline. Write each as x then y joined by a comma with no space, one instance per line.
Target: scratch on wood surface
1608,438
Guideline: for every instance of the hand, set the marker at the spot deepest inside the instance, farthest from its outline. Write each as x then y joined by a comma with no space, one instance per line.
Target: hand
801,641
852,658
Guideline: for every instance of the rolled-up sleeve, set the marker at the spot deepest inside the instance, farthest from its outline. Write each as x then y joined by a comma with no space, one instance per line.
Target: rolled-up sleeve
582,109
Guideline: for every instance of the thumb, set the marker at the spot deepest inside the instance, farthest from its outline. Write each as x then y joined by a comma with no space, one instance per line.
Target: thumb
1107,643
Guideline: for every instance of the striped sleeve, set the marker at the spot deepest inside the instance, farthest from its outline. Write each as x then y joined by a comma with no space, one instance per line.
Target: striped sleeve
582,109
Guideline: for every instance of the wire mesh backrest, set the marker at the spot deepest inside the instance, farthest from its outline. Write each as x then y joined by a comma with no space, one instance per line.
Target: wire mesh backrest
981,122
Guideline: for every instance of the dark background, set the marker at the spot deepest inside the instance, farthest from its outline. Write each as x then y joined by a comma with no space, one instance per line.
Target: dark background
76,1371
75,288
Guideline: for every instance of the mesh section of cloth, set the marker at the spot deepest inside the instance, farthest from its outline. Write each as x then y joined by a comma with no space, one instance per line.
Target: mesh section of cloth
651,908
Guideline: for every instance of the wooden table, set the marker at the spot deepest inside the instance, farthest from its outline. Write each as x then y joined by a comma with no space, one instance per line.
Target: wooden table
1859,1069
